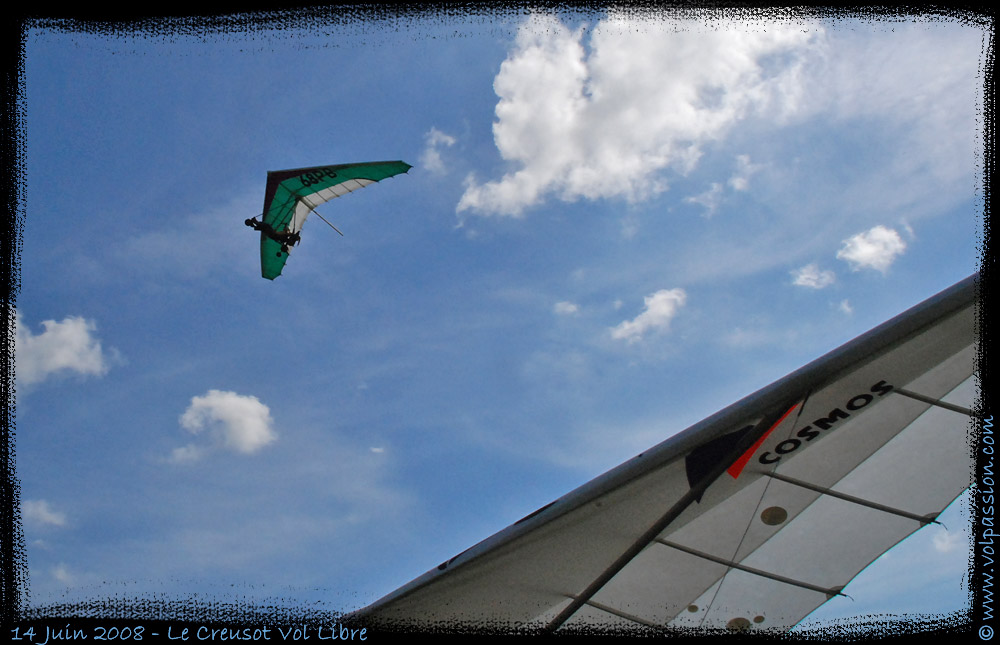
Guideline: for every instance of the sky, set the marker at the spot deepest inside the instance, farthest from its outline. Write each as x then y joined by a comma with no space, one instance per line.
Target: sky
615,226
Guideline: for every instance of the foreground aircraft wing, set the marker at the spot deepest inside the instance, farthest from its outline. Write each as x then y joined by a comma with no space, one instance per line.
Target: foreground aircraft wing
290,195
750,519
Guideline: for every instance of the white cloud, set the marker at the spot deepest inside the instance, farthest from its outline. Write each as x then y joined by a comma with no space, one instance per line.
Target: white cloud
565,308
67,346
39,512
811,276
709,199
744,170
186,453
875,248
740,181
846,307
62,574
645,99
660,309
431,157
234,422
945,542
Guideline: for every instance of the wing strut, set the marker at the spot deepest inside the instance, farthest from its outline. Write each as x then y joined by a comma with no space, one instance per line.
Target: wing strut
312,208
764,426
327,221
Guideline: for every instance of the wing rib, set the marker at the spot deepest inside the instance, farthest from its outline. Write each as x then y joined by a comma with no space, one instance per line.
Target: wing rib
757,572
932,401
923,519
621,614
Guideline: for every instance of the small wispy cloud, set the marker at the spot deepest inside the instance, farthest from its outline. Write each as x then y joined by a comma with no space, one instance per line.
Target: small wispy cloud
234,422
811,276
40,513
64,347
565,308
660,309
875,248
186,453
945,542
710,199
62,574
846,307
744,170
431,157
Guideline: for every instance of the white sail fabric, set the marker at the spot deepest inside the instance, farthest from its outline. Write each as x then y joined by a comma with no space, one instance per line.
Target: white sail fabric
307,203
860,449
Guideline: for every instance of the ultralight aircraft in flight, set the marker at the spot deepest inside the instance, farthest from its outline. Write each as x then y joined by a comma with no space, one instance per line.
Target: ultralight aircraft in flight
290,195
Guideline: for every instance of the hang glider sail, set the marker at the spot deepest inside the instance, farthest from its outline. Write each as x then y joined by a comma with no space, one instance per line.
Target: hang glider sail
290,195
749,519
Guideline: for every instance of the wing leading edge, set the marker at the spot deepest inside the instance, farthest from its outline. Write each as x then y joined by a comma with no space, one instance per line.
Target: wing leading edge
749,519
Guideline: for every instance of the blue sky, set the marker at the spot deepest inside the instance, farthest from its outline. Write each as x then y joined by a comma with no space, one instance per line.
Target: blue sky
613,229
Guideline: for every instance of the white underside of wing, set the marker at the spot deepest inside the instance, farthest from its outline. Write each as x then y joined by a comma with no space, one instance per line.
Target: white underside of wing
306,205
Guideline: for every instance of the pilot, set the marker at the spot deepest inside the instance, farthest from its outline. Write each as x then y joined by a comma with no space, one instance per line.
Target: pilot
285,239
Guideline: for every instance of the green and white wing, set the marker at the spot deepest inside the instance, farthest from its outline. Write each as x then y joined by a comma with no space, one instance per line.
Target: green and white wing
290,195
